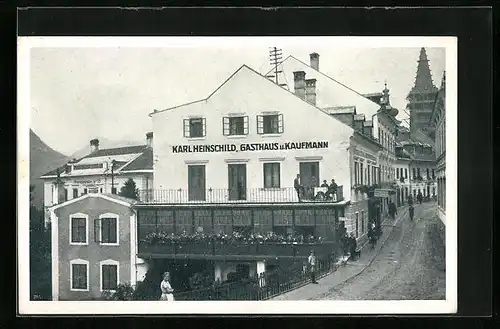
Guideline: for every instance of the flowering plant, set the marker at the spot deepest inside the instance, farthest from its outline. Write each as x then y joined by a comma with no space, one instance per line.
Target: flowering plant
162,238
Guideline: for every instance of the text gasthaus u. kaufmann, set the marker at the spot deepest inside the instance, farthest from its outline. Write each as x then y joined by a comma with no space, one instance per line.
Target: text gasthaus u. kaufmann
215,148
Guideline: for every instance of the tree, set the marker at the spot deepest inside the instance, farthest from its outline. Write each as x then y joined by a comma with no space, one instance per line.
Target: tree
40,254
129,190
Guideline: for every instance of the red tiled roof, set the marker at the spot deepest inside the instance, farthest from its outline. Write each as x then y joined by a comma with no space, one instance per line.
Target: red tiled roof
143,162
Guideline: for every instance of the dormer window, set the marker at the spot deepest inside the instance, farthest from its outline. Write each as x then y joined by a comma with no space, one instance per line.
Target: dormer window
88,166
195,127
270,124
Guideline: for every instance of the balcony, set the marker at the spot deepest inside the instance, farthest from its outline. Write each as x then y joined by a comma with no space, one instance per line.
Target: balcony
240,250
250,195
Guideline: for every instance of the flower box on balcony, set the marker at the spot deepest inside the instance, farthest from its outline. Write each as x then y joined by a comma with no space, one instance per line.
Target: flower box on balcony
275,248
195,248
235,249
166,249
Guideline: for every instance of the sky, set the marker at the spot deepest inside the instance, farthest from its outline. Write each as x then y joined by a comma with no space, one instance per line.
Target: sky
86,93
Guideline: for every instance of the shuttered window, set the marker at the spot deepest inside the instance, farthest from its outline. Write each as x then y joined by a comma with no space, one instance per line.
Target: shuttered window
195,127
234,126
270,124
109,277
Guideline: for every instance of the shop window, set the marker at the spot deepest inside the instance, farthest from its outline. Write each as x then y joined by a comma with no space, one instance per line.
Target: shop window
195,127
235,126
270,124
271,175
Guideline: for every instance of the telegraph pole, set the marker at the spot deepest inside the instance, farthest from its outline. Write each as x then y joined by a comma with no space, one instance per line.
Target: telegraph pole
275,57
113,177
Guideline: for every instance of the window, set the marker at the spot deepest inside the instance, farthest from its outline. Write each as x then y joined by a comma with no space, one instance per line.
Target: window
414,173
88,166
78,228
418,172
271,175
84,191
368,174
361,172
235,126
109,275
356,172
427,173
107,226
100,190
362,222
357,225
65,194
195,127
270,124
433,174
397,173
406,172
75,193
79,275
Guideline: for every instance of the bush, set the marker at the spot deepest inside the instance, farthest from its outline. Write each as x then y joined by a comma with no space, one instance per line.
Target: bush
124,291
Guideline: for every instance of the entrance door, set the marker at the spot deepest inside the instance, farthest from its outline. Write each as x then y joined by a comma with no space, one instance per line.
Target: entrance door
237,181
196,183
309,178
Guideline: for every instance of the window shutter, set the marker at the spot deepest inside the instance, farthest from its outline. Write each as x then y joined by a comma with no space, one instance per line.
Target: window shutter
113,238
245,125
225,126
97,226
186,128
280,124
260,124
204,123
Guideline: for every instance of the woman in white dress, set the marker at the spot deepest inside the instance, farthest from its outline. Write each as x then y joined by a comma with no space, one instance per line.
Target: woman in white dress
166,288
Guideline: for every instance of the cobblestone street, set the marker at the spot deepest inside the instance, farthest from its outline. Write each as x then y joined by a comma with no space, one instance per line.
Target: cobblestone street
409,265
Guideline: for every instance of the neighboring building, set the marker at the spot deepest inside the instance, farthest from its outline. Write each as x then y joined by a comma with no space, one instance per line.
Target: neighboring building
101,171
373,115
403,171
94,246
227,163
421,98
438,120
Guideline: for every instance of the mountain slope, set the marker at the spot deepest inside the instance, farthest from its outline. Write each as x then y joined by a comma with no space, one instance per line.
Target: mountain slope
42,160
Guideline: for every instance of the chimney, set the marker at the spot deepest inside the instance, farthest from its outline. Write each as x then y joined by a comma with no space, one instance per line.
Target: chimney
311,91
149,139
299,78
314,60
94,145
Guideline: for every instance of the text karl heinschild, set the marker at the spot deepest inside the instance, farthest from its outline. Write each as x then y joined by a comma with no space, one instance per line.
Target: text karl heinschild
215,148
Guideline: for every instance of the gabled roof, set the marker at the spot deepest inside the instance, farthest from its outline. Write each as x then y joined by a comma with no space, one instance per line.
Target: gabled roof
143,162
263,77
117,151
107,196
141,155
329,91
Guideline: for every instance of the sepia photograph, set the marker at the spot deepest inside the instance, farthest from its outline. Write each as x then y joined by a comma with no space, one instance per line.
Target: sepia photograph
274,174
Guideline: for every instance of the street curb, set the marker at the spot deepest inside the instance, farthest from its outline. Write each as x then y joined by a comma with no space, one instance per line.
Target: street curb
349,279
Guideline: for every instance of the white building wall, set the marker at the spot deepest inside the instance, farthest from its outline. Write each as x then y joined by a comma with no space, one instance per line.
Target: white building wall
251,95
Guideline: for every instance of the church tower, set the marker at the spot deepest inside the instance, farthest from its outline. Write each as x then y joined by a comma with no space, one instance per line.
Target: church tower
421,97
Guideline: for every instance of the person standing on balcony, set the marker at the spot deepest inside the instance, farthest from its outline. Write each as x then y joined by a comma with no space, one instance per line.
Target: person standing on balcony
297,186
312,266
166,288
332,189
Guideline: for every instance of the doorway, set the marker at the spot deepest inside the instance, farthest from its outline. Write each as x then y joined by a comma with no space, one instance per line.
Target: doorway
196,183
237,181
309,178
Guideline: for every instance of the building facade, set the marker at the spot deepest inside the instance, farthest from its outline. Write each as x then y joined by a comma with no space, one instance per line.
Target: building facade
438,121
94,246
101,171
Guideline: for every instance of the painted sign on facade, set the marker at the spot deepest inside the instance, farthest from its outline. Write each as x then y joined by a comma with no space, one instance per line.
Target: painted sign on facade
211,148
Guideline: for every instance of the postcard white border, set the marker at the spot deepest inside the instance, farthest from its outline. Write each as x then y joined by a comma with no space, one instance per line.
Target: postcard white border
27,307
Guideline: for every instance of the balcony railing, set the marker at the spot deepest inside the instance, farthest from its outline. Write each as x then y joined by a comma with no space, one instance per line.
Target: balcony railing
216,249
249,195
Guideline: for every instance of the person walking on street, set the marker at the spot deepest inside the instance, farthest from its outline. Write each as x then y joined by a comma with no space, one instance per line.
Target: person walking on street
312,266
353,247
411,211
419,197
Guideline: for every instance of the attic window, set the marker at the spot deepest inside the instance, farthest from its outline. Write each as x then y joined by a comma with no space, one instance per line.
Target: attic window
270,124
195,127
